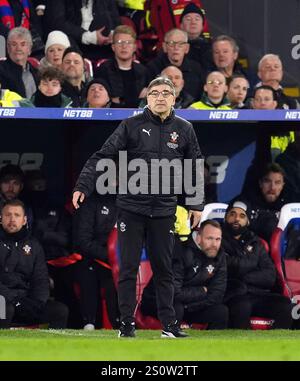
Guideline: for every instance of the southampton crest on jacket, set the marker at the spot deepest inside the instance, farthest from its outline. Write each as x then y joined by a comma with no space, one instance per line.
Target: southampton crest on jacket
173,140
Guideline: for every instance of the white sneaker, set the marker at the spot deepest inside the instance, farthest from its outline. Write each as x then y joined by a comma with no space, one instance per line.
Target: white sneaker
89,327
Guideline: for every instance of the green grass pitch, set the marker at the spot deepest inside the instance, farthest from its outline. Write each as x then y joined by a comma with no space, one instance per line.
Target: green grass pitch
103,345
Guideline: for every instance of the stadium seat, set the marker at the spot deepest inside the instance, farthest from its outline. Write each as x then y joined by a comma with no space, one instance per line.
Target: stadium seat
214,211
288,269
34,62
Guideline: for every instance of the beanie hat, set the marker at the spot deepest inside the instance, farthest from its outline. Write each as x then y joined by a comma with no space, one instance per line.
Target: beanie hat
73,49
57,37
11,172
241,204
192,8
100,81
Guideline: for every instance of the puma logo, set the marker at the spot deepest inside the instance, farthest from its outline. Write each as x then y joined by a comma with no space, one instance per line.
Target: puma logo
147,132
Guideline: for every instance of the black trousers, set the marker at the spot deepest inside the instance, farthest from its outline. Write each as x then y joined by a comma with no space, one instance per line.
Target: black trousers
92,277
272,306
157,233
215,316
54,313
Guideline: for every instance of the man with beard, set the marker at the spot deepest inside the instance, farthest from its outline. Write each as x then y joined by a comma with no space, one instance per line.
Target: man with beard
267,201
251,274
24,281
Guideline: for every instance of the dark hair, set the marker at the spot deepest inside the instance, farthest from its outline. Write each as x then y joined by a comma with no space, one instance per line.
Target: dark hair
161,81
265,87
50,73
11,171
272,167
15,202
213,223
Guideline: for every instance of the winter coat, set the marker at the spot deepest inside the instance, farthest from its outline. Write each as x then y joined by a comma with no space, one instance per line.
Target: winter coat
146,137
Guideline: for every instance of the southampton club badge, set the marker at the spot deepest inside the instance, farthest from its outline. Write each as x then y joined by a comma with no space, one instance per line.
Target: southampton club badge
27,250
210,269
173,140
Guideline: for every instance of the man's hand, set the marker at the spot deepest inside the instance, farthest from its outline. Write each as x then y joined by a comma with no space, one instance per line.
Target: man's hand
77,196
101,39
194,217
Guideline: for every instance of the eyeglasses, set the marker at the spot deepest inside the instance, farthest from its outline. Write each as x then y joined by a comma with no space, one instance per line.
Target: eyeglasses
172,44
124,42
214,82
164,93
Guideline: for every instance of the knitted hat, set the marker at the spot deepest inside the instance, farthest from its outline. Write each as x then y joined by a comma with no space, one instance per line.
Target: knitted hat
100,81
192,8
57,37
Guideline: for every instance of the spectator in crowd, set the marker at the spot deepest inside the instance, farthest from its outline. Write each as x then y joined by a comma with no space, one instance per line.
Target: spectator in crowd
14,13
238,87
265,98
251,274
49,92
225,53
175,50
57,42
88,23
266,200
11,187
200,278
24,281
192,21
73,70
290,162
183,99
214,96
98,94
16,73
270,72
126,78
92,225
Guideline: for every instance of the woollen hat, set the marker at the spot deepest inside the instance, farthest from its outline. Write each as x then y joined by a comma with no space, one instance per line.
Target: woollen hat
241,204
192,8
57,37
100,81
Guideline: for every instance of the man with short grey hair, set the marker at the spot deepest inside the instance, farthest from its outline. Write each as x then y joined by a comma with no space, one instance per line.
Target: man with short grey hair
270,72
156,139
16,73
175,50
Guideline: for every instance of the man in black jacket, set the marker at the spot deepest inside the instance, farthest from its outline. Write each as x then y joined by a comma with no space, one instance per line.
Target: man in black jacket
147,210
92,225
16,74
175,50
24,281
127,79
200,278
251,274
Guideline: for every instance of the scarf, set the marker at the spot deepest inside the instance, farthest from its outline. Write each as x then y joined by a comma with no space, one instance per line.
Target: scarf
7,16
